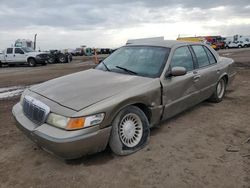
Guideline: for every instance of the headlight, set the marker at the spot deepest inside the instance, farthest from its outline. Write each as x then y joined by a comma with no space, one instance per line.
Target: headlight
38,57
21,98
74,123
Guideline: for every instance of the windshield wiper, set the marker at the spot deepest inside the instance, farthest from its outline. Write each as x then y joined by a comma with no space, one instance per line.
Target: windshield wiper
127,70
105,66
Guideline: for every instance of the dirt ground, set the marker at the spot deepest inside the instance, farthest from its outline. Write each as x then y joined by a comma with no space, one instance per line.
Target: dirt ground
205,146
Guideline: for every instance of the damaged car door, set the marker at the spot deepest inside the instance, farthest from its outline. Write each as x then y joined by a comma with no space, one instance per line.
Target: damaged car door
180,91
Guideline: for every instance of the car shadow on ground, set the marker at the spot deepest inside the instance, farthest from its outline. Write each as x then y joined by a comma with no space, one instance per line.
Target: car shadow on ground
107,155
94,159
156,129
22,65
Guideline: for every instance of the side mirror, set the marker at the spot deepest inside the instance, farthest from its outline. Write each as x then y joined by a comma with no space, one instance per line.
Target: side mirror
178,71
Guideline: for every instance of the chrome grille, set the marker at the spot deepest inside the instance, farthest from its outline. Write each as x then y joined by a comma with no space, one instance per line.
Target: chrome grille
44,56
35,110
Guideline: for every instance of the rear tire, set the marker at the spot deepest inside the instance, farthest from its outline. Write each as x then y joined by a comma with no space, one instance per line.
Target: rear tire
130,131
62,58
32,62
51,60
220,91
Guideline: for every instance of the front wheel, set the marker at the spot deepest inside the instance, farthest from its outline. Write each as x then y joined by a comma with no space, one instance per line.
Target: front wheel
32,62
220,91
130,131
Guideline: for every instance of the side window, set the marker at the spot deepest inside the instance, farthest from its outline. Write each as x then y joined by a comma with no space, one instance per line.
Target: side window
18,51
211,57
182,58
9,50
201,55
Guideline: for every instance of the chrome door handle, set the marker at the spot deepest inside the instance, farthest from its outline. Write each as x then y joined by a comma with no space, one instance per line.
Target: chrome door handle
197,78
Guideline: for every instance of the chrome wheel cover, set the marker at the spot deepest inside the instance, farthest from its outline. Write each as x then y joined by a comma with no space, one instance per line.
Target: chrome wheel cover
130,130
220,89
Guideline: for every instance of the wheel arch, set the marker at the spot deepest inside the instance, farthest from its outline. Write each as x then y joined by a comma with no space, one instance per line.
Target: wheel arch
225,76
142,106
30,57
145,109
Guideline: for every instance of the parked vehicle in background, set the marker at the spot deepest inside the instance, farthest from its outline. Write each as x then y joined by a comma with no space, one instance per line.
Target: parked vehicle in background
191,39
236,44
56,56
198,39
23,55
24,43
218,41
78,52
237,41
132,90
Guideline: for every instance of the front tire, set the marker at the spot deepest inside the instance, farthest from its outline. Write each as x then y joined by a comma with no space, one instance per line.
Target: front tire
220,91
32,62
130,131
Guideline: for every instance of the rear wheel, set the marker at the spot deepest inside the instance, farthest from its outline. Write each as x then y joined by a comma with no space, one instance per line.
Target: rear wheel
130,131
51,60
220,91
32,62
62,58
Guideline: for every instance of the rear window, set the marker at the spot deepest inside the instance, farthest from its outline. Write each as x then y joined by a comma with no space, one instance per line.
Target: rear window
201,55
211,57
9,50
18,51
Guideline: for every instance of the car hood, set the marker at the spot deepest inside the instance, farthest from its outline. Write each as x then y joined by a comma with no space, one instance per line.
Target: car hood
36,53
80,90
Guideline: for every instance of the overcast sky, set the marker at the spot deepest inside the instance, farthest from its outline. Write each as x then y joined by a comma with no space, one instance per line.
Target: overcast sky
109,23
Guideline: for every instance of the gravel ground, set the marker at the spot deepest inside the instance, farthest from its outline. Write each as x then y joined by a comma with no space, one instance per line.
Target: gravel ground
205,146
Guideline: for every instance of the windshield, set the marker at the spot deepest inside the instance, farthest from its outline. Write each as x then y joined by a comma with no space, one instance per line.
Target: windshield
25,49
145,61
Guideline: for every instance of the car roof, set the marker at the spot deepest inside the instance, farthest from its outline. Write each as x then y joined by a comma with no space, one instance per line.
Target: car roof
163,43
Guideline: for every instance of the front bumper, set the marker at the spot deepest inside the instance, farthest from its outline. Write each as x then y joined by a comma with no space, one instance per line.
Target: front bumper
65,144
42,60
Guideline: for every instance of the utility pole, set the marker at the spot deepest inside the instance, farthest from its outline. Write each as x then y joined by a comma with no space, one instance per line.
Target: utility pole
35,41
